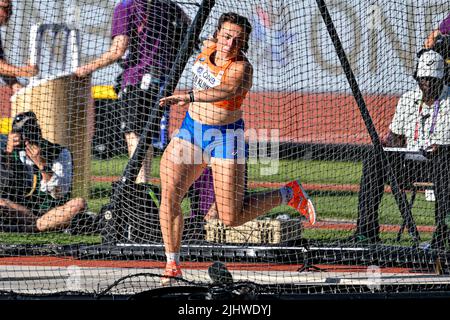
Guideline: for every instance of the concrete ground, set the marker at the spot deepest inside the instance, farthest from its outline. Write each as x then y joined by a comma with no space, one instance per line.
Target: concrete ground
51,279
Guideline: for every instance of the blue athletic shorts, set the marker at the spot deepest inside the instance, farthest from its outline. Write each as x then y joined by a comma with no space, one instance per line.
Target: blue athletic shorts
216,141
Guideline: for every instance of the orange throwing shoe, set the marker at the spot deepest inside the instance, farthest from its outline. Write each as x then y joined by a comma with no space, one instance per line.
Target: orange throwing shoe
171,274
301,202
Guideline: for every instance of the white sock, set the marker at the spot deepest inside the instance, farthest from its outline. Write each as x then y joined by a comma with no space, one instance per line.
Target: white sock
286,194
173,257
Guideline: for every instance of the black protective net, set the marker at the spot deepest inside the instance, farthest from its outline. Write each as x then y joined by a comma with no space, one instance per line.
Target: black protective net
286,176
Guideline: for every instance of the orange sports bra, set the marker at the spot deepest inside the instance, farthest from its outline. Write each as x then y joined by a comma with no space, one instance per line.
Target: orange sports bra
208,75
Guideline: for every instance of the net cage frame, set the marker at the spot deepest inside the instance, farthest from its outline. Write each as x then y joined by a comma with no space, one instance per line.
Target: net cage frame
303,252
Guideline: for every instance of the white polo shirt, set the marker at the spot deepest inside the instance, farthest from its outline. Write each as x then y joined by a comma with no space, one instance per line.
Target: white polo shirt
416,125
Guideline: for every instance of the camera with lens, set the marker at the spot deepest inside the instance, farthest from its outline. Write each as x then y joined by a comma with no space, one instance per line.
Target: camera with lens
15,181
26,125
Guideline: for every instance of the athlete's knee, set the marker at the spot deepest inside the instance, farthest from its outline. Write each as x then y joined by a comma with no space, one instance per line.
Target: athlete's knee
229,213
41,225
230,220
229,216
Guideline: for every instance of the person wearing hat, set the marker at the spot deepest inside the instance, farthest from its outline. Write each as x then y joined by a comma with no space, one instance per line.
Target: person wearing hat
421,122
40,199
444,29
8,71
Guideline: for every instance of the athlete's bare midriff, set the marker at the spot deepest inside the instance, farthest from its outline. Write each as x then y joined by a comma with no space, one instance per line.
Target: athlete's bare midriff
207,113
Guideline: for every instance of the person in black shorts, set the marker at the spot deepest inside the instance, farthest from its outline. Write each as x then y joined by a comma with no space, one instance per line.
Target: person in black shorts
146,36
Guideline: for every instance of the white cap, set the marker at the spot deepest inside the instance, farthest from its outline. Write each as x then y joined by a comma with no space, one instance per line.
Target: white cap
431,64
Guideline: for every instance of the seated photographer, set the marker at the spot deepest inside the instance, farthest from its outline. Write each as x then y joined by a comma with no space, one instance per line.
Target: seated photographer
36,178
422,122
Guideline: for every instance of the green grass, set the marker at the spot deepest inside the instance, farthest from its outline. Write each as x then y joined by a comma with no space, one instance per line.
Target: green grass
57,238
65,239
311,171
388,238
116,166
322,172
330,205
423,211
326,172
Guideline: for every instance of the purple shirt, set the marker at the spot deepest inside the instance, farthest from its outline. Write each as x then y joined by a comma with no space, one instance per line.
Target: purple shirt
444,27
155,47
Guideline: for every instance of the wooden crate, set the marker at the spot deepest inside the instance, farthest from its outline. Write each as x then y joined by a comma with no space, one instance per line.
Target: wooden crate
215,232
265,231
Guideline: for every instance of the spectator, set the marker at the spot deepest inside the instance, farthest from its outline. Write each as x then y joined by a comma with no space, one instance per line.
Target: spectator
444,29
421,122
150,32
36,180
8,71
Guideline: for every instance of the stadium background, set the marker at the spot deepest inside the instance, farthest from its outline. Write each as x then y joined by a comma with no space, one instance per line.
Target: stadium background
299,89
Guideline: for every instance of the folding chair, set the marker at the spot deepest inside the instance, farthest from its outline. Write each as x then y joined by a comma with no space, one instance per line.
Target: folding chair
416,186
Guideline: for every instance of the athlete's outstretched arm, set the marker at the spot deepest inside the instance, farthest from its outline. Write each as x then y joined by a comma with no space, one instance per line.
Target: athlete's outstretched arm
238,81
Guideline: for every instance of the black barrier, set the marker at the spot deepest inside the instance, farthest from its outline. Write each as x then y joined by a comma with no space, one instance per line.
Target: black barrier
108,140
187,48
381,157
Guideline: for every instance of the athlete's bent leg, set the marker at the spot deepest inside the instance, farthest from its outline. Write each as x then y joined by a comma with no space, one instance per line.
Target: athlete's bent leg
145,172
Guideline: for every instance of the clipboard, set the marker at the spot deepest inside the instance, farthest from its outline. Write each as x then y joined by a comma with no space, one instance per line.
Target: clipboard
410,153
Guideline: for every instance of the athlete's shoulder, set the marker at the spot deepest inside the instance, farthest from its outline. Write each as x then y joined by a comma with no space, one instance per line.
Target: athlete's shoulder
208,47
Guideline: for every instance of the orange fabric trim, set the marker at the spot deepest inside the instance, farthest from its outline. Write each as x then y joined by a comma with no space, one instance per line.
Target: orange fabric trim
232,104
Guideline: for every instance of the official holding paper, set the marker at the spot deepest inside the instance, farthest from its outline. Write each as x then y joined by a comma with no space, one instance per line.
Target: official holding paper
421,124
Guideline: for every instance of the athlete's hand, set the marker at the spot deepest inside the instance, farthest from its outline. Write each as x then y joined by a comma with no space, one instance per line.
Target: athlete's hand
179,99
